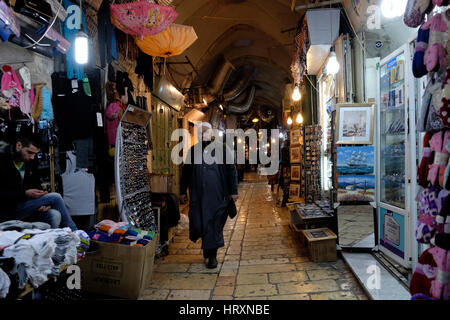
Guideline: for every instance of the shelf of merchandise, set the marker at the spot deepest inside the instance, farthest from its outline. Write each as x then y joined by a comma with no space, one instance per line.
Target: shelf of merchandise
395,169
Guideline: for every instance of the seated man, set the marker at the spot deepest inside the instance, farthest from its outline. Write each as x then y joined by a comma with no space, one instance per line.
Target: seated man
19,197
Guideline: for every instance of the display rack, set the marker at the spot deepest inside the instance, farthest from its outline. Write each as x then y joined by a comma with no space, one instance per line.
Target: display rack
131,171
311,169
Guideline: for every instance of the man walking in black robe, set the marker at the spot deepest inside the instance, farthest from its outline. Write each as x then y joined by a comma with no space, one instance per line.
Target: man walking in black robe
211,187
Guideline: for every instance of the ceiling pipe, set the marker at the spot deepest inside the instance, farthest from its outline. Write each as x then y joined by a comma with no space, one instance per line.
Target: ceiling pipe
220,77
240,85
316,5
244,107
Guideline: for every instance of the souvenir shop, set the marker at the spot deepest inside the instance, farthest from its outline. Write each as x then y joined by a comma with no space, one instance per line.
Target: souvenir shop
92,86
380,142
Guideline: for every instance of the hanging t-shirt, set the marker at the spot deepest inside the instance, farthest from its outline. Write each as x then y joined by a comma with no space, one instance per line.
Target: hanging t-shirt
74,22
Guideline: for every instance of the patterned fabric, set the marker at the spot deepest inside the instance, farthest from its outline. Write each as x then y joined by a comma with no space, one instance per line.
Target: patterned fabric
428,210
415,12
440,286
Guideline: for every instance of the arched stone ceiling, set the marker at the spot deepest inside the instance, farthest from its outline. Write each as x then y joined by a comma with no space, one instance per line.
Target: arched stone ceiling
245,32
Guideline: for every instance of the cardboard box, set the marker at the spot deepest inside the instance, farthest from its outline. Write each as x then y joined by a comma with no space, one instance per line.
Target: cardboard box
321,244
118,270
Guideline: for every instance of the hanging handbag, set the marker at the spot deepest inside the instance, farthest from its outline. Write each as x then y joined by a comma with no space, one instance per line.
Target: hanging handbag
38,10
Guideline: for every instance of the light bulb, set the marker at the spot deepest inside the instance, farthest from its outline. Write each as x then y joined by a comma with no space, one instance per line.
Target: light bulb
221,107
393,8
281,135
289,121
239,140
255,120
333,64
273,140
296,95
81,48
299,118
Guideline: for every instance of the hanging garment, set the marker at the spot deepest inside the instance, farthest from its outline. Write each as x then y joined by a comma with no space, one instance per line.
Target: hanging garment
423,275
74,22
106,35
84,149
47,108
73,109
428,210
113,115
11,87
78,189
27,101
429,118
144,68
38,104
440,286
438,144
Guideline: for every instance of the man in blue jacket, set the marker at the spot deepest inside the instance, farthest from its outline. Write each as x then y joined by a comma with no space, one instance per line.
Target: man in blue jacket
20,196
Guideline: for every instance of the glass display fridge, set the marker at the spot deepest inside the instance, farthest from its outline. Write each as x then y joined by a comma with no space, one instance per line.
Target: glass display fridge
397,158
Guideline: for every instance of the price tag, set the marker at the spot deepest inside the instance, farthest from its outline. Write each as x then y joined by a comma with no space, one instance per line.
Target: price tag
99,119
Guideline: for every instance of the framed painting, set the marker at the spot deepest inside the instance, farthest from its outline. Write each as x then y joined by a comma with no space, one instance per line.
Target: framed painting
355,160
295,173
294,190
295,155
356,188
296,137
354,123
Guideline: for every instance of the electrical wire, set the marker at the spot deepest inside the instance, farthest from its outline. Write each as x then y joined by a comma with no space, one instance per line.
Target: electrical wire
49,27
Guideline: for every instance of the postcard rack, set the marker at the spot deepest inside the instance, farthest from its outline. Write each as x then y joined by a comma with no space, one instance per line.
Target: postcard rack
311,163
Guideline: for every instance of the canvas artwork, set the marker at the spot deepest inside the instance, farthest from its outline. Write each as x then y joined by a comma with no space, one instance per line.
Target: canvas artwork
296,137
295,173
356,188
354,124
294,190
295,155
353,160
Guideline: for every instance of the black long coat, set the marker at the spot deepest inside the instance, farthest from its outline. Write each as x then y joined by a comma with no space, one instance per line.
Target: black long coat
210,187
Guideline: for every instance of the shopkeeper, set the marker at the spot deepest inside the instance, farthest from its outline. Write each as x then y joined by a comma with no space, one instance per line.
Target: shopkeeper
20,196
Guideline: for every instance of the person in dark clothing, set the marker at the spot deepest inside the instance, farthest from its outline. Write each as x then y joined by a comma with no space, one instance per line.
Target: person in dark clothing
20,195
211,188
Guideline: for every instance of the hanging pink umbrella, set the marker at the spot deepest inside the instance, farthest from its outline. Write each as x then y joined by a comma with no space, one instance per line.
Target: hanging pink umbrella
142,18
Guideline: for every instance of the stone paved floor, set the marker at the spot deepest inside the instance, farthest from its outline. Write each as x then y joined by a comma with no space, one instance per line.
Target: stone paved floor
355,224
261,260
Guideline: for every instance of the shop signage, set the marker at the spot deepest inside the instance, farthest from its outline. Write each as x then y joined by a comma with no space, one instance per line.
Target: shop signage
392,64
392,231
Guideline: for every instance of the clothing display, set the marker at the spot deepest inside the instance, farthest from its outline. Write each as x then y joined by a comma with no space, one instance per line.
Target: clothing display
120,233
430,279
113,115
38,254
106,35
72,24
5,282
79,188
18,225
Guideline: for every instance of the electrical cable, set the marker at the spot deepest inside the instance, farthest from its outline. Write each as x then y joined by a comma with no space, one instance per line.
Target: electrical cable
49,27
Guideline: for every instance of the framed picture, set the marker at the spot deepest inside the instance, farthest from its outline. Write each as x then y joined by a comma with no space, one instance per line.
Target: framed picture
355,160
294,190
296,137
295,173
295,154
354,123
356,188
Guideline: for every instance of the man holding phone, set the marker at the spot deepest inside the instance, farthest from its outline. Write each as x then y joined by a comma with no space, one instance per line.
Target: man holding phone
20,197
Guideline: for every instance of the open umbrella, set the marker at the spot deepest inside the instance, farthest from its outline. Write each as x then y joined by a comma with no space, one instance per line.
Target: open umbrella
171,42
142,18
